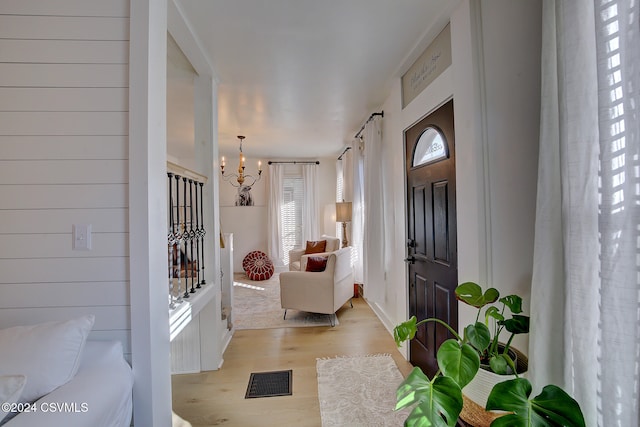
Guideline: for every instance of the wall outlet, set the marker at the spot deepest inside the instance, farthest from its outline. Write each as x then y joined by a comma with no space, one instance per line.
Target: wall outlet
81,237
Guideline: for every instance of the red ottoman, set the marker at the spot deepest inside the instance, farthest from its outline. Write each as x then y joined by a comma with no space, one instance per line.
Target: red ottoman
258,266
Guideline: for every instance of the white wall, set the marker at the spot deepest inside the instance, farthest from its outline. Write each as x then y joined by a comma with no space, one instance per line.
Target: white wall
512,50
64,160
494,81
249,223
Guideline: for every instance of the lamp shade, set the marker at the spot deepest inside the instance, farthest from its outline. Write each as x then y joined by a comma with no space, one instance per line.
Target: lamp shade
343,211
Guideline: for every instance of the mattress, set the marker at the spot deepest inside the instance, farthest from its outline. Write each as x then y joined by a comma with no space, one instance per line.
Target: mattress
100,395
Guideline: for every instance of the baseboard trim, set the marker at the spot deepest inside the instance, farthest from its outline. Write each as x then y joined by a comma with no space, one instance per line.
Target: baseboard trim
226,340
388,324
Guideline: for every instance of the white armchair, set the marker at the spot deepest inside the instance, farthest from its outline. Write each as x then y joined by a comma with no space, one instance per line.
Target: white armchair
319,292
298,259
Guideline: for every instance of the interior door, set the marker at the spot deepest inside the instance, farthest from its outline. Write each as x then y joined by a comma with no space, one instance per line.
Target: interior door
432,245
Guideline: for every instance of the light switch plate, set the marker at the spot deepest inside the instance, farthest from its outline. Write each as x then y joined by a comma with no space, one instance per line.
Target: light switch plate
81,237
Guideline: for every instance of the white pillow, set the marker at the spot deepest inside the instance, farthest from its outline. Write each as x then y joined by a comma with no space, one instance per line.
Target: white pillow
47,353
10,391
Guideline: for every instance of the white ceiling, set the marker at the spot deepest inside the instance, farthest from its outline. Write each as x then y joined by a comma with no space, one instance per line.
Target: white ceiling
299,77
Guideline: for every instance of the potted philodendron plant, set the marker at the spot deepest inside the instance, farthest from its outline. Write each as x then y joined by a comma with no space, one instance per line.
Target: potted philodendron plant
438,401
497,361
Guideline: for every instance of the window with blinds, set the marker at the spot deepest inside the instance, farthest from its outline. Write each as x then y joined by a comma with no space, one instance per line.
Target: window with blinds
291,214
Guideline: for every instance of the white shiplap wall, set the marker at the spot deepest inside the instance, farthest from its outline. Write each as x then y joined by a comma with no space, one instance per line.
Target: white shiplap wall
64,160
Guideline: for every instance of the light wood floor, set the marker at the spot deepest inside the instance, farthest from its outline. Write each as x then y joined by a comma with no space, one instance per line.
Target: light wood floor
216,398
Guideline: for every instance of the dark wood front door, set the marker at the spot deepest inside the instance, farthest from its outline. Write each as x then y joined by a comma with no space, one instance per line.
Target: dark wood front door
432,245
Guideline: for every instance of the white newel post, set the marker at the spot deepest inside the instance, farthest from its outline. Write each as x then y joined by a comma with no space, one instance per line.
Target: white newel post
148,213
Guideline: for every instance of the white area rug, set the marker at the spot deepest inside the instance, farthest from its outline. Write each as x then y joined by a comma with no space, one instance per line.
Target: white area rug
256,305
359,391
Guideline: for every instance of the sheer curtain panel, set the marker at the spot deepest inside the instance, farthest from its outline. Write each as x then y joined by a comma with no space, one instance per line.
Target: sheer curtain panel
310,204
355,171
274,219
374,244
585,334
339,193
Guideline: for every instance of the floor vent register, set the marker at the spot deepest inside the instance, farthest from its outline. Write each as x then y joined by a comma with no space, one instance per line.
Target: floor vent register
269,384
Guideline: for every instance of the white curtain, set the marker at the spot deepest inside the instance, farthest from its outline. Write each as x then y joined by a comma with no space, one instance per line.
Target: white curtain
354,173
310,205
374,242
339,192
347,171
274,235
585,304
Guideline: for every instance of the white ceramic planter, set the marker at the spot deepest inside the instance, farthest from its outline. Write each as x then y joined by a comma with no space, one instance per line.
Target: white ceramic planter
479,388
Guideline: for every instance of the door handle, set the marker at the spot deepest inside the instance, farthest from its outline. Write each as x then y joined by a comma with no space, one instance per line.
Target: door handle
411,259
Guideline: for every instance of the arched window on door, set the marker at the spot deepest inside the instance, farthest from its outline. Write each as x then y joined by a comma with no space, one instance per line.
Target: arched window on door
430,148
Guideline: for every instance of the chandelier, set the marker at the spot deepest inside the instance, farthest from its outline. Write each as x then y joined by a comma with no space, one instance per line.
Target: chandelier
240,179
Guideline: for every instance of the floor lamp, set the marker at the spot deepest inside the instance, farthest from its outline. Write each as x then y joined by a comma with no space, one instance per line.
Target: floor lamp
343,215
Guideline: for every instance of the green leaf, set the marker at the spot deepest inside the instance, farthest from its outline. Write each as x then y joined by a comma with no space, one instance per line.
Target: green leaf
412,389
438,403
491,295
471,293
511,420
552,407
494,313
460,363
514,302
555,405
510,395
478,335
500,365
405,331
517,325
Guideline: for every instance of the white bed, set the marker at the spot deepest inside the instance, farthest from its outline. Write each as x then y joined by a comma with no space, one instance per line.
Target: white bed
99,395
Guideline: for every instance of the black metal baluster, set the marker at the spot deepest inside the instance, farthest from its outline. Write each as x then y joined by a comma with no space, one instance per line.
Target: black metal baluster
185,237
170,242
191,234
202,233
197,237
177,239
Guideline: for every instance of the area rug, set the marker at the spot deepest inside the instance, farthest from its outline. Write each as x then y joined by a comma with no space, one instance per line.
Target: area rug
256,305
359,391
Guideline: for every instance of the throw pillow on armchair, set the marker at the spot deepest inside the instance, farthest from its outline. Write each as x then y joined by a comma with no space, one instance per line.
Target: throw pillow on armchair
316,264
315,247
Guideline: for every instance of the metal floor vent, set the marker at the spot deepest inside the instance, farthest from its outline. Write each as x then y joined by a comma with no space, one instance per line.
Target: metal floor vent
268,384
